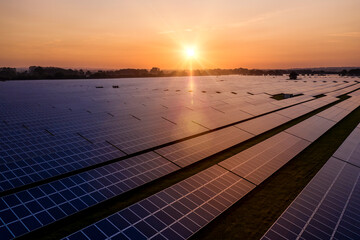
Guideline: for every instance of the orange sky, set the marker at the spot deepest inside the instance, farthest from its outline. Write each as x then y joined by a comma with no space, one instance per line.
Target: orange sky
143,34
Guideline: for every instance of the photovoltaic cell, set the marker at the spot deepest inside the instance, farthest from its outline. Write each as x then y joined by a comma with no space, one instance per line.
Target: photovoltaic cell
260,161
262,124
193,150
349,151
328,207
135,141
27,171
42,205
311,128
295,111
176,212
60,126
334,113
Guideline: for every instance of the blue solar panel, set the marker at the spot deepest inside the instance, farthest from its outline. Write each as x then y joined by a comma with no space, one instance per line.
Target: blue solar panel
260,161
176,212
19,173
328,208
39,206
195,149
57,127
349,151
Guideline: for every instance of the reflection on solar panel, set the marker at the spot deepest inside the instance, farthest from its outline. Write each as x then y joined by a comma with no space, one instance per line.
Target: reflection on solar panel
349,151
329,205
193,150
22,172
135,141
328,208
260,161
320,102
58,127
176,212
311,128
263,124
30,209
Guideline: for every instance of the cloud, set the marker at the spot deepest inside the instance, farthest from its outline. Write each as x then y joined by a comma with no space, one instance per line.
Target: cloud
257,19
346,34
175,31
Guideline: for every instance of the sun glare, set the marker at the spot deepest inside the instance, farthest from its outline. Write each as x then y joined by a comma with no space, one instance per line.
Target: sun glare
190,52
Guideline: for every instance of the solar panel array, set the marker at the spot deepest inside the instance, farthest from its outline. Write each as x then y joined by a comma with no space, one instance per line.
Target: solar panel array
30,209
118,135
176,212
350,149
44,145
253,166
193,150
260,161
197,149
328,207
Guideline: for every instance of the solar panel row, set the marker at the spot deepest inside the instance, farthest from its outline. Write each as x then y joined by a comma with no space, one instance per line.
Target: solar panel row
33,208
24,172
174,213
253,165
312,128
96,121
328,207
193,150
264,123
260,161
214,142
187,152
71,153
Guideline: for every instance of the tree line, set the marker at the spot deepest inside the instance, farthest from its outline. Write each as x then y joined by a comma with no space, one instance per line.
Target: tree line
38,72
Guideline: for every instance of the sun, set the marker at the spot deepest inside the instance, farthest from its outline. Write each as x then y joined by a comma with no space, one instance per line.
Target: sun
190,52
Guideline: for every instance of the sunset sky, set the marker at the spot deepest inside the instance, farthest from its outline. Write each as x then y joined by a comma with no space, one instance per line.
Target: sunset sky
142,34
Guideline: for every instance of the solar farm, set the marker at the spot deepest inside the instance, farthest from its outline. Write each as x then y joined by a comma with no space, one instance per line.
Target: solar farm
179,158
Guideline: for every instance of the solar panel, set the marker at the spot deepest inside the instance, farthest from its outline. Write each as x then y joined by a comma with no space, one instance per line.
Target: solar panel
137,141
349,151
328,207
19,173
193,150
213,119
260,161
262,124
350,103
50,202
311,128
176,212
260,109
320,102
57,127
295,111
334,113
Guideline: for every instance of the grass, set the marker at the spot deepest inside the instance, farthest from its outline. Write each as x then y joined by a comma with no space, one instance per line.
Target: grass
82,219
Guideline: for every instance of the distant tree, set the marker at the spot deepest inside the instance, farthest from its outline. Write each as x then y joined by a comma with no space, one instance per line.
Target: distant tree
7,73
155,71
354,72
293,75
343,73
